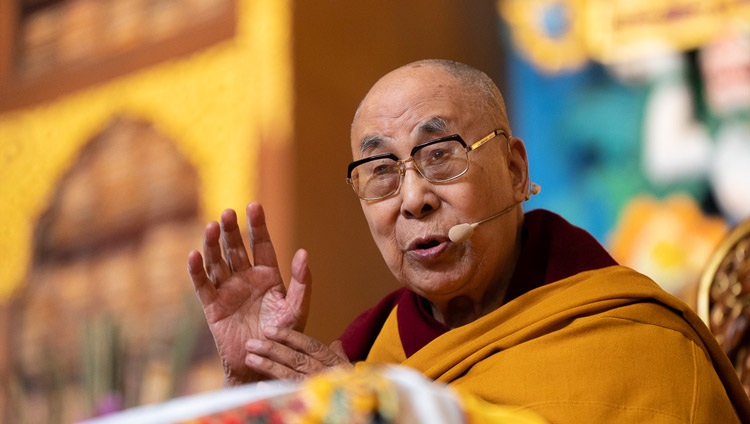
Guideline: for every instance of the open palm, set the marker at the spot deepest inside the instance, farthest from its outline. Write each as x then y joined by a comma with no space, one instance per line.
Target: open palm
241,298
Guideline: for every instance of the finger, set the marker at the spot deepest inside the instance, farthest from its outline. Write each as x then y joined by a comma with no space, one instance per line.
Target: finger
217,268
338,348
278,361
231,240
204,288
300,287
260,240
271,369
299,342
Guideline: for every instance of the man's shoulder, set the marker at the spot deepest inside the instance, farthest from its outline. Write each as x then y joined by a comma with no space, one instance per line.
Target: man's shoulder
554,249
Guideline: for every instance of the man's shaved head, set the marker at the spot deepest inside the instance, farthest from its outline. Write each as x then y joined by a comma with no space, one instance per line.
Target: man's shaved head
475,81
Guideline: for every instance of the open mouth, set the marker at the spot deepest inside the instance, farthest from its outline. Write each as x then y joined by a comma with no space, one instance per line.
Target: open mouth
428,244
428,248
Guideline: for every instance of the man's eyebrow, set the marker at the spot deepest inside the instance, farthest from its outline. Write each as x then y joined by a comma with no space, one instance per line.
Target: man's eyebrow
434,125
370,142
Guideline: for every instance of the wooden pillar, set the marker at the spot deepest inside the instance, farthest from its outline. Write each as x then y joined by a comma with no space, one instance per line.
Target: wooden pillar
8,24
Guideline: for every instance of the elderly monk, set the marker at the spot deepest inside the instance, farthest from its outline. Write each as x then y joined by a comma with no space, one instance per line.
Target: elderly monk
527,311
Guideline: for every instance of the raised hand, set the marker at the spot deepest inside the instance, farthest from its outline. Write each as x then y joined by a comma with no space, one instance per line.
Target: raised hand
239,297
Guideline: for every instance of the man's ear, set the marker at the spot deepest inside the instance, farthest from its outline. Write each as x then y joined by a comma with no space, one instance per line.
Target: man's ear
518,167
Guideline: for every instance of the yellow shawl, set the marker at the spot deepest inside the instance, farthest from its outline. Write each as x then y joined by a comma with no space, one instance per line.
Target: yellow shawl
601,346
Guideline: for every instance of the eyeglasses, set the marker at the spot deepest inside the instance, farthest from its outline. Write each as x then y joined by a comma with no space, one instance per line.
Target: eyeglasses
438,161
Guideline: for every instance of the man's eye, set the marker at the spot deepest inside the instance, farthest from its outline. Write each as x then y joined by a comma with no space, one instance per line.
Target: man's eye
382,170
438,154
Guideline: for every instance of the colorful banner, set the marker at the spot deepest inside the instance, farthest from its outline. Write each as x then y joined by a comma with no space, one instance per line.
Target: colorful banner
561,35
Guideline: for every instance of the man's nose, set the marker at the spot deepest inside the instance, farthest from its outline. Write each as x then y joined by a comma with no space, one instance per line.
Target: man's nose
417,195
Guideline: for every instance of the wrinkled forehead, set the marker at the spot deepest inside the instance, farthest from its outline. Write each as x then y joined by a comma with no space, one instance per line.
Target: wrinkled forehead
412,101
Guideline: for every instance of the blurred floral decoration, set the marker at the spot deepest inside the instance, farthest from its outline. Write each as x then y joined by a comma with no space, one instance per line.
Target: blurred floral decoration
669,240
549,32
368,394
563,35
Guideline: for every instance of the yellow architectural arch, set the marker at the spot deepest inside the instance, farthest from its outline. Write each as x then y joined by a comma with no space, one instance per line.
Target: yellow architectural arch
216,104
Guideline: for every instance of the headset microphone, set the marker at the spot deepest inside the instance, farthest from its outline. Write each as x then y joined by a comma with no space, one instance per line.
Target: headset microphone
462,232
534,189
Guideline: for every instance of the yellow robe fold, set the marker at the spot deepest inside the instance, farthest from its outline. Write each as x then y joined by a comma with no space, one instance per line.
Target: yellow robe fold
601,346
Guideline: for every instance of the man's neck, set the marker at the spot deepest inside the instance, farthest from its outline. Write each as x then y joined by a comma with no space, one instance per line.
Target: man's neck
463,310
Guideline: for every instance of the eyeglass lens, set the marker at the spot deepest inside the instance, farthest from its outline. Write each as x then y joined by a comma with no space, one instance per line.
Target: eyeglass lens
436,162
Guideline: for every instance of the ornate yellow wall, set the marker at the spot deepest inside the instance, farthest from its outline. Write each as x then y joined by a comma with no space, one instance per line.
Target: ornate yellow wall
216,104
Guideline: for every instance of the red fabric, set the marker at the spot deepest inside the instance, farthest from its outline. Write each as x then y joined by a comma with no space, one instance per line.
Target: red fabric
552,249
362,332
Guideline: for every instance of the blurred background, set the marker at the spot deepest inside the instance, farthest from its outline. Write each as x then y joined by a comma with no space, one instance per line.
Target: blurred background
126,125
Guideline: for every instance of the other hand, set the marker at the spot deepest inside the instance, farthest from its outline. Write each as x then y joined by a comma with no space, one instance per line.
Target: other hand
287,354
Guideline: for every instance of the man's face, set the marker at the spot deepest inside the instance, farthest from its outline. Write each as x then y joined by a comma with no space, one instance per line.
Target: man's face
411,106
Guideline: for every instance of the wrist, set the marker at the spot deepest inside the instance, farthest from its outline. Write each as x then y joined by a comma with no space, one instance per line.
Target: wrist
232,379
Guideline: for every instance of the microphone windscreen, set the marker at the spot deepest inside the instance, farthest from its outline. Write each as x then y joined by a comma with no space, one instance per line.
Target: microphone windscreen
460,233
